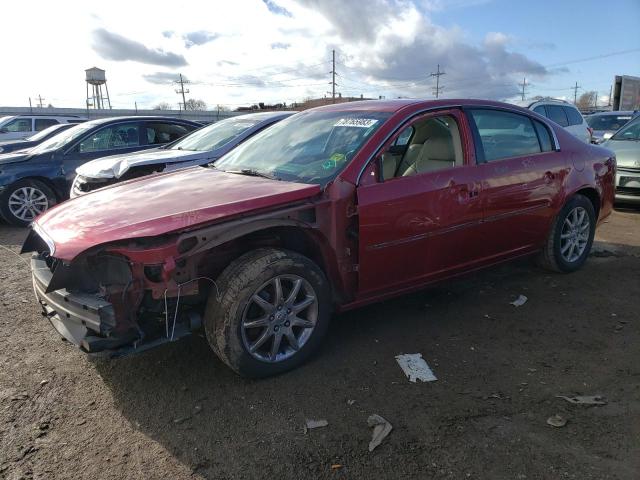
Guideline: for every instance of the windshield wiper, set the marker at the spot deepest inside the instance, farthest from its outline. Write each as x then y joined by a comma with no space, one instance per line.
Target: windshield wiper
253,173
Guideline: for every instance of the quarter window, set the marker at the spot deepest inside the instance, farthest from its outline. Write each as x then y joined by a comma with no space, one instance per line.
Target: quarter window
505,134
540,109
573,115
558,115
42,123
114,136
543,136
18,125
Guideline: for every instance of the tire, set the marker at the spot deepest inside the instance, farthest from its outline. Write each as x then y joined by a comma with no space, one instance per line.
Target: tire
40,194
556,256
235,322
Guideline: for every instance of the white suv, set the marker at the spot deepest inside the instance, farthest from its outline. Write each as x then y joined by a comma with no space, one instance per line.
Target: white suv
22,126
564,114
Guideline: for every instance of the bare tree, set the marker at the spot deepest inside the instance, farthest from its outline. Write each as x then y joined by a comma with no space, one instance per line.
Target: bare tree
222,108
162,106
193,104
586,100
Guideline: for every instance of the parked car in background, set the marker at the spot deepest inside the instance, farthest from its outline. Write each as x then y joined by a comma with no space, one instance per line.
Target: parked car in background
626,145
22,126
30,142
330,209
202,146
605,124
564,114
34,180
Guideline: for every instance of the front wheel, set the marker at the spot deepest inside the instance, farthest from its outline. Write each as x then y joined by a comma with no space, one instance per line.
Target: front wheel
24,200
571,236
272,312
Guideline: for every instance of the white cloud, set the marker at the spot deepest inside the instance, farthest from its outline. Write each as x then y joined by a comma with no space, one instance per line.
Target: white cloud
246,51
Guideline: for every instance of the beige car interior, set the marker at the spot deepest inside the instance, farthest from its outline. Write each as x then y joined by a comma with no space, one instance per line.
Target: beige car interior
434,145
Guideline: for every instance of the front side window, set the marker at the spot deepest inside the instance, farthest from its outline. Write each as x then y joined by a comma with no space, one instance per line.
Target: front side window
161,133
608,122
505,134
216,135
111,137
434,144
557,114
18,125
42,123
573,115
630,132
309,147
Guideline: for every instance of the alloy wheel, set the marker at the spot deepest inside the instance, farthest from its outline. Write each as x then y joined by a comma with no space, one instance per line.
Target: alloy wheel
279,318
26,203
574,236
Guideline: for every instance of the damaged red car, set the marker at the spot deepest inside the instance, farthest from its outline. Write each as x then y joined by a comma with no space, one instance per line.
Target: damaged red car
331,209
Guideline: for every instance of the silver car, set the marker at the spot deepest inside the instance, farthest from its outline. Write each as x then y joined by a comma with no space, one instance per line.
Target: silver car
605,124
626,145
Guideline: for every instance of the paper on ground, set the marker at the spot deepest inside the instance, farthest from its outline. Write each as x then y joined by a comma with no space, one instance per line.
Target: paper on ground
521,300
415,368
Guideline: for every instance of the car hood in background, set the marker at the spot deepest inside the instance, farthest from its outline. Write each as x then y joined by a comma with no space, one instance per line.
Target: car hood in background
13,157
114,166
165,203
627,152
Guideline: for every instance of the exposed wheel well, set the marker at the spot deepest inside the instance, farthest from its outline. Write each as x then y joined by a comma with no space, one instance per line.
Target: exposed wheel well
593,196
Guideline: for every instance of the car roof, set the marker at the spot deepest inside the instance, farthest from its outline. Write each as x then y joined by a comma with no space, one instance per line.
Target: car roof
101,121
265,115
626,113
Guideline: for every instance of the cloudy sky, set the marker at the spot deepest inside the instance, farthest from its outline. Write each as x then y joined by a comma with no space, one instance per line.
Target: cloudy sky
239,52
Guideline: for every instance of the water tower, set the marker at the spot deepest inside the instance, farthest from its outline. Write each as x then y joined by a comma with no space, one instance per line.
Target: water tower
96,78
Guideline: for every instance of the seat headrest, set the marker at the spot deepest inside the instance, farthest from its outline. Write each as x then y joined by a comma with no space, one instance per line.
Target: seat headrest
440,148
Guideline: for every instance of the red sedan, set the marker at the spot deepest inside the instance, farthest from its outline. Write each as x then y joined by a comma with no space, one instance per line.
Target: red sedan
331,209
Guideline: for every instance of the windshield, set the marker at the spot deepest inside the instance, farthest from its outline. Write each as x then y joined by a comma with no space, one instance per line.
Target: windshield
607,122
216,135
310,147
62,138
43,133
630,132
3,120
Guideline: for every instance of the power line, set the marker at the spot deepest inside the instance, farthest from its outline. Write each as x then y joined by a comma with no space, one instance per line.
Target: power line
437,75
575,93
524,85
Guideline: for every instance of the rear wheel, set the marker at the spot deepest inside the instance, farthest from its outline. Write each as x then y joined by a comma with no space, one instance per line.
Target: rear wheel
571,237
24,200
272,313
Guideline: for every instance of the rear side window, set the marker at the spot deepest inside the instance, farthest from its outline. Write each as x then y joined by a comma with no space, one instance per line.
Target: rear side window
115,136
543,136
540,109
573,115
557,114
505,134
42,123
160,133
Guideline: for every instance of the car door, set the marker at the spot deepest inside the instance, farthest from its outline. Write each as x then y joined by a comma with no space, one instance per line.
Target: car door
119,138
420,214
522,172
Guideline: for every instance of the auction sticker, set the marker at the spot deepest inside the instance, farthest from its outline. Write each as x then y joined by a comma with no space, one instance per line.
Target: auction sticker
356,122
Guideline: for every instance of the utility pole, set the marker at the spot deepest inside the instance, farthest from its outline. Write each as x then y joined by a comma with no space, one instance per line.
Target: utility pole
40,99
523,85
610,93
182,91
575,93
30,106
333,76
595,103
438,74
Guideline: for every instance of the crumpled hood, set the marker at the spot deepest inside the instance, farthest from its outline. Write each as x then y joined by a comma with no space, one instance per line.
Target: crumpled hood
13,157
627,152
115,166
161,204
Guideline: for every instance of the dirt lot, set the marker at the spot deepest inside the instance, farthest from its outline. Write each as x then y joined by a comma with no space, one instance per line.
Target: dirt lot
177,412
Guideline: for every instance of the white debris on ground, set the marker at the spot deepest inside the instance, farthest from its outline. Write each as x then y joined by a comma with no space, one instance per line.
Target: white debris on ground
310,424
518,302
381,428
415,368
584,399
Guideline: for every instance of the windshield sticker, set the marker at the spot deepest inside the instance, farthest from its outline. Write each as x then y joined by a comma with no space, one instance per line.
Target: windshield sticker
334,160
356,122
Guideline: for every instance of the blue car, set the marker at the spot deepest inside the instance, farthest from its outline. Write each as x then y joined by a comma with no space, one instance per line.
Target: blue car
34,180
198,148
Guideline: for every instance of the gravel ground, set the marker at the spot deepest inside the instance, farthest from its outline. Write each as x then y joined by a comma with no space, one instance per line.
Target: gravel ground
177,412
